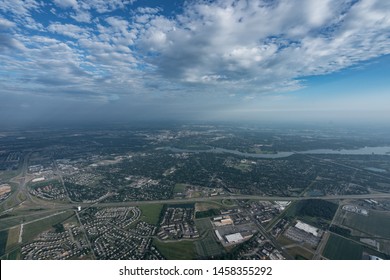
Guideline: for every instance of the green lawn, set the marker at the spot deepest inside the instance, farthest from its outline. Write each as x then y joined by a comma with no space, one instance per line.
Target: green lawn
339,248
179,250
150,213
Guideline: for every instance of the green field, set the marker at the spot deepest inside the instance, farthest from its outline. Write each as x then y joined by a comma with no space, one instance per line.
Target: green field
179,188
177,250
339,248
208,245
203,225
6,175
204,206
244,167
151,213
13,237
376,223
14,255
283,240
3,241
300,253
228,202
31,230
20,217
208,213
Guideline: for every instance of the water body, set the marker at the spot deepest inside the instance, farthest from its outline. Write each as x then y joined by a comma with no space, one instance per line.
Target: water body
361,151
374,169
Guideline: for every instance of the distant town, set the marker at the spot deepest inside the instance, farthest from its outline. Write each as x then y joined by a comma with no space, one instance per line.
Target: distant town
194,192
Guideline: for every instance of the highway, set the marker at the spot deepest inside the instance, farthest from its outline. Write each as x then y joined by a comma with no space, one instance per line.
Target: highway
71,205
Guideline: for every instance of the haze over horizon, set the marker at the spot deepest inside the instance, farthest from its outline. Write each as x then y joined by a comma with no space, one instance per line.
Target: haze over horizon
224,60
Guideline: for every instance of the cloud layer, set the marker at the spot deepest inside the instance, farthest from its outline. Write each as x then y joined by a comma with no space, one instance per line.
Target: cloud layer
104,50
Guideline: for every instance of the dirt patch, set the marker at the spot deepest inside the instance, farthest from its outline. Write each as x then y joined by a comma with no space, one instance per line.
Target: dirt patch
4,189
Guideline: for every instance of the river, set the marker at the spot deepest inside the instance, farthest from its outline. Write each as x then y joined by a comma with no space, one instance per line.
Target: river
360,151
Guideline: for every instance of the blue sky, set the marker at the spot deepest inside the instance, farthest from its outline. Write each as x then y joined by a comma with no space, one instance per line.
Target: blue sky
204,60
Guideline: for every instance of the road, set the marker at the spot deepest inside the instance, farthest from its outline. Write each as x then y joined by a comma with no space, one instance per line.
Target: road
325,237
21,194
258,197
267,235
72,205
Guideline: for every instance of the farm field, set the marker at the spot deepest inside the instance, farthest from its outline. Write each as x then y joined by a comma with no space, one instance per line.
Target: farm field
376,223
339,248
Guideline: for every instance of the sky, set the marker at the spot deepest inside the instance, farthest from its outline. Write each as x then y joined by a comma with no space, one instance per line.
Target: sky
134,60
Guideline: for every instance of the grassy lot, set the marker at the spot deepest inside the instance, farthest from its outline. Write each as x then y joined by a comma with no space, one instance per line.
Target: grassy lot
20,217
13,237
3,241
204,206
15,254
22,196
179,250
244,167
228,202
6,175
376,223
10,222
300,253
31,230
179,188
151,213
196,194
203,225
283,240
208,213
339,248
208,245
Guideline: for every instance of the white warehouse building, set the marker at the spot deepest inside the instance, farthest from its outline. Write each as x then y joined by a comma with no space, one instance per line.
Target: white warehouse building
307,228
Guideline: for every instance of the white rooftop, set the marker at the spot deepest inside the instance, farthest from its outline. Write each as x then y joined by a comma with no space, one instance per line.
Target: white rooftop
307,228
233,238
